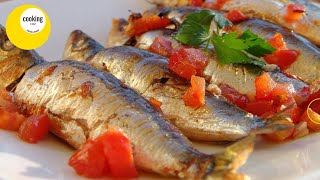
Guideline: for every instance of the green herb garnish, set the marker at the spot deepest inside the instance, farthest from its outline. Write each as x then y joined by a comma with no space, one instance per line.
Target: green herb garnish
203,28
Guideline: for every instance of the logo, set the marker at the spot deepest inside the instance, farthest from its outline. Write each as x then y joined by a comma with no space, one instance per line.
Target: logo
32,20
28,27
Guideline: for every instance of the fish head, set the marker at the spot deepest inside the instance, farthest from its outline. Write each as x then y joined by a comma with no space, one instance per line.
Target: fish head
13,61
80,46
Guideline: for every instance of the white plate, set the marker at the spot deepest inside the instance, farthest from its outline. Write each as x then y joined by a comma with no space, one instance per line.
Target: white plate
48,160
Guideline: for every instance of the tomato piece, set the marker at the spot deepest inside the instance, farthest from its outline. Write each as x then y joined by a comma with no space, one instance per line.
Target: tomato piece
161,46
157,104
10,120
236,16
283,94
260,108
264,85
315,105
281,135
89,160
294,12
34,128
215,5
233,96
195,3
277,42
86,89
118,152
282,58
143,24
313,119
187,62
195,95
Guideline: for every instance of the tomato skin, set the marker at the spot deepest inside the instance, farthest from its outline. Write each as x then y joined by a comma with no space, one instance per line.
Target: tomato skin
34,128
161,46
89,160
282,58
294,12
195,95
236,16
187,62
118,152
146,23
233,96
278,42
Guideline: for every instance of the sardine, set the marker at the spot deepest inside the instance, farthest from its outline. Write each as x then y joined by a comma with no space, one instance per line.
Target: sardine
148,74
157,145
273,11
240,77
82,103
13,61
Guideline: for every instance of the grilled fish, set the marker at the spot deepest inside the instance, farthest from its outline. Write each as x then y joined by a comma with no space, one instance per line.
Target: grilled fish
13,61
271,10
148,74
157,145
240,77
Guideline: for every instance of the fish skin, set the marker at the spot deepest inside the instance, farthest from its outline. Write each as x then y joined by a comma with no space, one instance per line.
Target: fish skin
308,26
144,72
13,61
240,77
157,145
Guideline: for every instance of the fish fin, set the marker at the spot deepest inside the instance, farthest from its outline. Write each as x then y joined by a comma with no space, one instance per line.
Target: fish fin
233,157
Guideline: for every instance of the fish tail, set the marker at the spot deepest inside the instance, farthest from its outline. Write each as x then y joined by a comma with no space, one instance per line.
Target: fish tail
80,46
225,164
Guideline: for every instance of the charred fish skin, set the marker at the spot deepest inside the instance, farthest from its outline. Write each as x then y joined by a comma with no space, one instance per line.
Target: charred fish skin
307,26
13,61
148,74
157,145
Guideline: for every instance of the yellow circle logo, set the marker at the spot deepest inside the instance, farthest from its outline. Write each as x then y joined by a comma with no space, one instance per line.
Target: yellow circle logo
28,27
311,115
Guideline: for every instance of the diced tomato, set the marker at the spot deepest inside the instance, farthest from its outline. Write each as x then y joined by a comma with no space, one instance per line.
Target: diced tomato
295,114
35,128
143,24
10,120
282,58
264,85
236,16
312,118
233,96
281,135
215,5
119,155
294,12
283,94
161,46
89,161
277,42
195,95
157,104
195,3
260,108
187,62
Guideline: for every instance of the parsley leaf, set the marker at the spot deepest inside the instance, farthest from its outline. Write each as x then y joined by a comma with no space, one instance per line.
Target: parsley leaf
257,46
195,28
